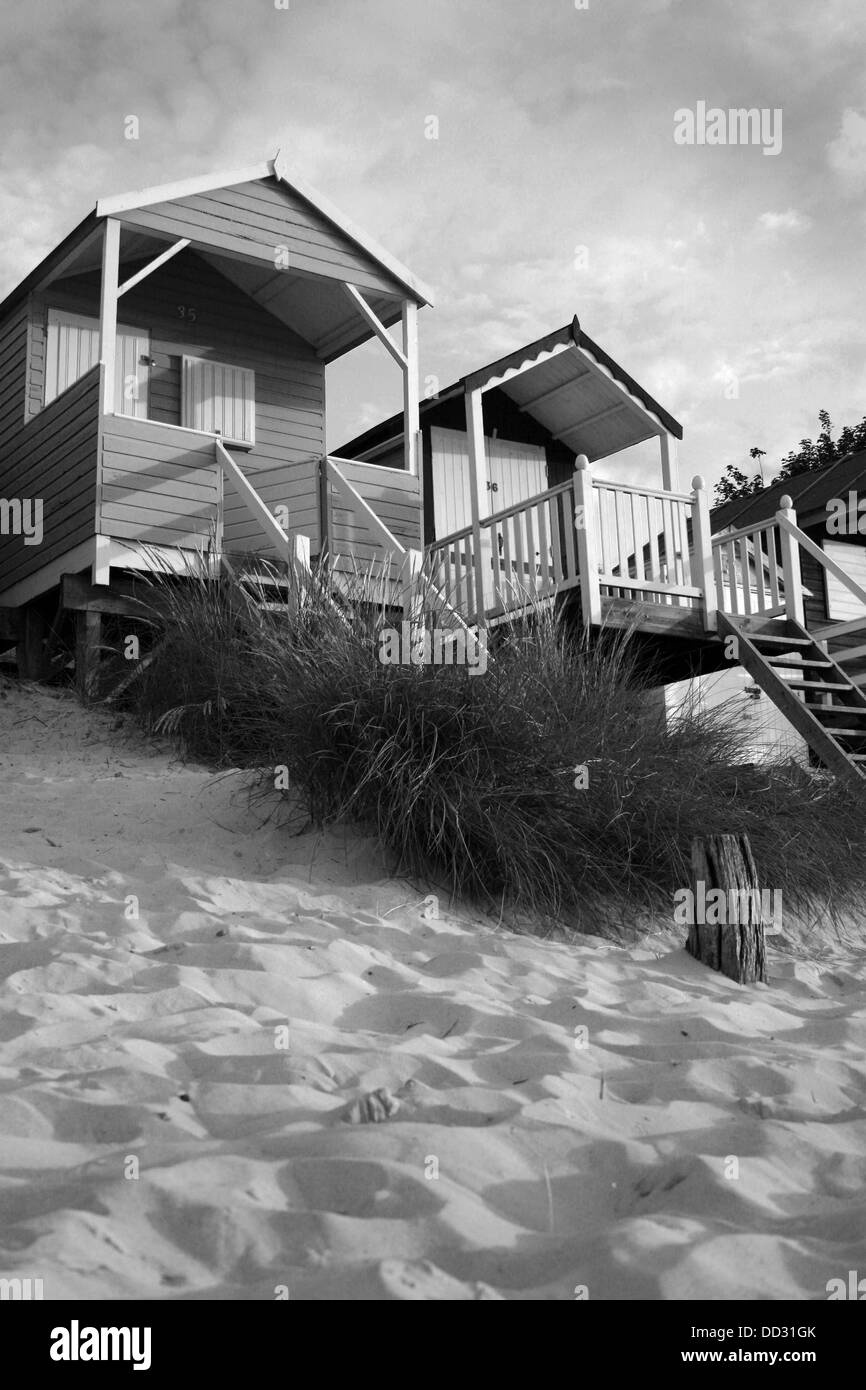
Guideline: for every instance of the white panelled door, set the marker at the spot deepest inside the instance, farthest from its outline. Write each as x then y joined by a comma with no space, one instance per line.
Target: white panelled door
516,472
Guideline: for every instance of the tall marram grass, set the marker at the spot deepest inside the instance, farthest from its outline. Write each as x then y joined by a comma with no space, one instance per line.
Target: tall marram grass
471,779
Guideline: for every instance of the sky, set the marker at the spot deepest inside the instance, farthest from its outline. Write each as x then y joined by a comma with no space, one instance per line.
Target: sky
728,281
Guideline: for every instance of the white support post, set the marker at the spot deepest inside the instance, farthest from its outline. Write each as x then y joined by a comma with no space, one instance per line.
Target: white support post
410,570
299,570
702,553
477,493
301,557
108,310
100,571
670,470
219,522
411,411
790,562
587,556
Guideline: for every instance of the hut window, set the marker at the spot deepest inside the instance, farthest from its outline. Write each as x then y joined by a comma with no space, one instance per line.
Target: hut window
219,399
72,348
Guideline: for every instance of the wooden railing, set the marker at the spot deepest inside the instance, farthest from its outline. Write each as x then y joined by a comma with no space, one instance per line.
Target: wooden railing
758,572
397,566
609,539
385,559
295,550
748,567
643,540
832,634
527,553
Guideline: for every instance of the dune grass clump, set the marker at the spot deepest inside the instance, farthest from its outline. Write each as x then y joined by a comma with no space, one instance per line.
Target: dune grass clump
551,784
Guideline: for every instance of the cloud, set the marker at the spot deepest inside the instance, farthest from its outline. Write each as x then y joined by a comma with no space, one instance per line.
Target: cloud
790,221
551,138
846,154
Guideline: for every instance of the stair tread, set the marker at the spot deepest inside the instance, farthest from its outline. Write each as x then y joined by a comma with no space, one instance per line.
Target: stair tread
807,664
847,733
816,685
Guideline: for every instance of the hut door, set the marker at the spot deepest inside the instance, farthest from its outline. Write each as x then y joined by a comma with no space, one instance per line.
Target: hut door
516,472
72,348
132,372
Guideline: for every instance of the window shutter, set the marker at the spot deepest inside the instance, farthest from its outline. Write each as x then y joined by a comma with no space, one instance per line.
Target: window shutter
72,348
219,397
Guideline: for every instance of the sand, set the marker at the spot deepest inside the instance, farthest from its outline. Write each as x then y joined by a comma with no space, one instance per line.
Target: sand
195,1009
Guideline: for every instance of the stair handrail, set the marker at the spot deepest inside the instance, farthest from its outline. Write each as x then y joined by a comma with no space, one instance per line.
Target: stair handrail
411,560
659,493
298,552
362,508
741,532
731,537
787,521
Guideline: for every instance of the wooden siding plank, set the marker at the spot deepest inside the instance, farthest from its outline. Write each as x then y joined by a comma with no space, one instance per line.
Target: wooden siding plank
154,534
277,214
121,483
234,213
123,502
52,457
175,220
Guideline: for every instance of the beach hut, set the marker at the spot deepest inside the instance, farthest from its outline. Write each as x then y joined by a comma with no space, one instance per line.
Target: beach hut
521,506
162,394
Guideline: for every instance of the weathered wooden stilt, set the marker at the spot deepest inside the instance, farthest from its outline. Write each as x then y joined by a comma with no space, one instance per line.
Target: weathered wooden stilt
31,644
88,635
727,930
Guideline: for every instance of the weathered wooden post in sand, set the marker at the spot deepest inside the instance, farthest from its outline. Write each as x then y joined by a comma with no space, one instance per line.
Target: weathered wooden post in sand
725,890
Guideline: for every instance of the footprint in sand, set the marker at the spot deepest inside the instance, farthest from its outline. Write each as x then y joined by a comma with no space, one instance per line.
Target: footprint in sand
421,1281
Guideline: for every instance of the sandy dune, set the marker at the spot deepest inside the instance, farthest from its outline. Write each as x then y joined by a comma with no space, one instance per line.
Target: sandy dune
516,1164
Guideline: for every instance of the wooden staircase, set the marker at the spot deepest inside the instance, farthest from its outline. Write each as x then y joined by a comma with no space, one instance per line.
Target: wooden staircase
823,704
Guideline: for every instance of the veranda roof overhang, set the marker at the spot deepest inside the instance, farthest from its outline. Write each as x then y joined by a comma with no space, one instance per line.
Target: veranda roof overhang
576,392
314,306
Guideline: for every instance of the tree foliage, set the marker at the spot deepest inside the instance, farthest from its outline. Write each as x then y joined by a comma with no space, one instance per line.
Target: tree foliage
811,457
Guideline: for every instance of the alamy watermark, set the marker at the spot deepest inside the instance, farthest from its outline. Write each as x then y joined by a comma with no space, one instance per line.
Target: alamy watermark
721,907
441,646
854,1289
21,1290
737,126
846,518
77,1343
22,516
